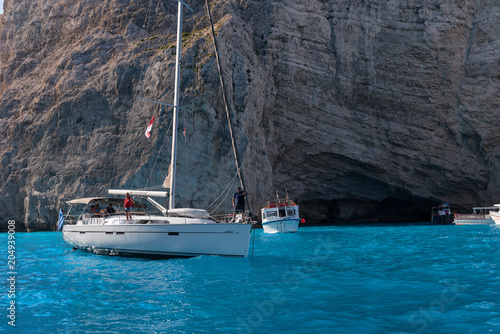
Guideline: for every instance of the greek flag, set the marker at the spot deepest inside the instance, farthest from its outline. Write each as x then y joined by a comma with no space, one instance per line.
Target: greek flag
60,222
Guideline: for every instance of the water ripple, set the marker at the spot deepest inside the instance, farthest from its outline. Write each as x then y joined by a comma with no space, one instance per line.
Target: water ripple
369,279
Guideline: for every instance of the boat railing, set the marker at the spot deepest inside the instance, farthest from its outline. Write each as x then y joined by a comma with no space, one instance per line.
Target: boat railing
280,202
71,219
87,218
228,217
90,219
470,216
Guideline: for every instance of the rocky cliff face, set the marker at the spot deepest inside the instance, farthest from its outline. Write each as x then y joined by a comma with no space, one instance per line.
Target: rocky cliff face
362,110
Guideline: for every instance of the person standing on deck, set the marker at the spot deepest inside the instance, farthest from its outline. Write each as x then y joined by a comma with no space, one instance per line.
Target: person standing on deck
239,203
127,205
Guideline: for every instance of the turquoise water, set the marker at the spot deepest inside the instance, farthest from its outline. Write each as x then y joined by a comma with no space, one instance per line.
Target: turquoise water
363,279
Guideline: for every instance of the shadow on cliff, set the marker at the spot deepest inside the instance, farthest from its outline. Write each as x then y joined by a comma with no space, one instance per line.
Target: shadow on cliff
346,211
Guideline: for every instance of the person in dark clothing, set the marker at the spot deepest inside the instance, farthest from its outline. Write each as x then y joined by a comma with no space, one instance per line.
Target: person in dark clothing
110,209
239,202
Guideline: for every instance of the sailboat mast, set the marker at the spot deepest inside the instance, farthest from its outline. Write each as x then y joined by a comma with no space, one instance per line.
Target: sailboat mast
176,105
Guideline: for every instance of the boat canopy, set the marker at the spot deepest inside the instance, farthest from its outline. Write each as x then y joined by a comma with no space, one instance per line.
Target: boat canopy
104,201
138,192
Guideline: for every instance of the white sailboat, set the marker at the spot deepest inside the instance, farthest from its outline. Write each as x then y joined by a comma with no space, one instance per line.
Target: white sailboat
178,232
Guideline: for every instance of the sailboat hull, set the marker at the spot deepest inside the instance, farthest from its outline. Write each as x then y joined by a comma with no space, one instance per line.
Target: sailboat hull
161,240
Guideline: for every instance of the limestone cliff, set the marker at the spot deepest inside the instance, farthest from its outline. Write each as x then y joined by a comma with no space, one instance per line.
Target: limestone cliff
362,109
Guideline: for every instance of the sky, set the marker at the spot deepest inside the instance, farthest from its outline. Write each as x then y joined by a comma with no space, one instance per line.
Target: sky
1,6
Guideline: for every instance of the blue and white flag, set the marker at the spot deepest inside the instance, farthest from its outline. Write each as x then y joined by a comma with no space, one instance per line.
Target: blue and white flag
60,222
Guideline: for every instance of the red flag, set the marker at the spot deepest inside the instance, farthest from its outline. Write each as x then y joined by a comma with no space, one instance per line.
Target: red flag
150,126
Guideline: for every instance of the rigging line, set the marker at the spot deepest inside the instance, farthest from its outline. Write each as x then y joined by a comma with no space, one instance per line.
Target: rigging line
145,25
164,104
157,10
156,102
224,97
154,164
183,122
161,41
151,188
148,13
148,40
158,155
223,191
221,202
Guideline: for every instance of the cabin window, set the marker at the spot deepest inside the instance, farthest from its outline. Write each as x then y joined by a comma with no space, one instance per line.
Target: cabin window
271,214
290,212
282,213
263,215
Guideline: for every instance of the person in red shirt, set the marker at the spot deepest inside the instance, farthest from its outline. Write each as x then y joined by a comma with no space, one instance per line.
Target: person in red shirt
127,205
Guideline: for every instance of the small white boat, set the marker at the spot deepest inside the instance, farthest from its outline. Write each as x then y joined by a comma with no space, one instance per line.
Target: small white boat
479,216
280,216
442,214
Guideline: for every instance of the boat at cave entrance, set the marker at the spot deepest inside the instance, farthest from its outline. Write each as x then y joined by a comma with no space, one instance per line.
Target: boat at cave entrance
175,232
479,216
442,214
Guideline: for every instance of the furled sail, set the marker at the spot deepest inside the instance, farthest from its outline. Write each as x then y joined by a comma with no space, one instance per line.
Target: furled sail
168,179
